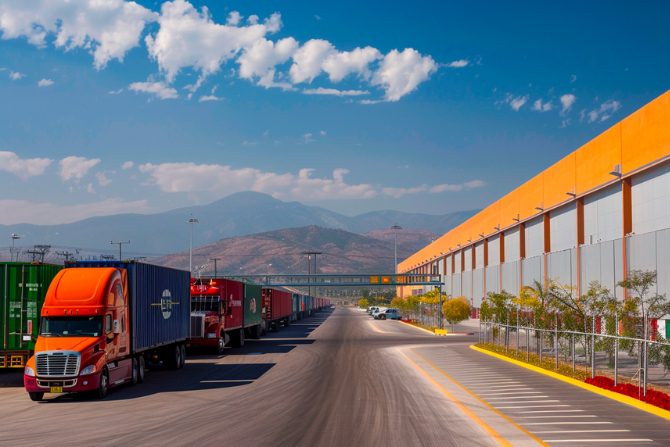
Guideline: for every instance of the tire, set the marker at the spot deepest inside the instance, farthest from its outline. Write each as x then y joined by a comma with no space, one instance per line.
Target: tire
221,345
134,374
183,355
36,396
382,317
177,359
241,343
140,369
101,392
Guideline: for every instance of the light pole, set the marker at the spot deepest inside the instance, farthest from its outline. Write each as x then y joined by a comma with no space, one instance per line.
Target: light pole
191,221
14,237
215,261
395,229
119,243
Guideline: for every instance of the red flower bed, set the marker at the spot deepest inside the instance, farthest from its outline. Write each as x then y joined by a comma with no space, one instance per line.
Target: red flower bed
653,397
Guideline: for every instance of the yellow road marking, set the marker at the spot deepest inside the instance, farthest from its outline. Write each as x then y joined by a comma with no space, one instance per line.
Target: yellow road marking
665,414
490,430
471,393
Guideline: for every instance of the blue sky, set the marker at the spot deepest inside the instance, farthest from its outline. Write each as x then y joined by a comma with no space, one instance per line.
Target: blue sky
430,106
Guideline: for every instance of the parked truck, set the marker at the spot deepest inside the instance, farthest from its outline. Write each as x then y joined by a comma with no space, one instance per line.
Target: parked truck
22,289
223,313
102,322
277,308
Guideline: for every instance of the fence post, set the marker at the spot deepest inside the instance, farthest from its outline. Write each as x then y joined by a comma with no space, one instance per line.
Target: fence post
517,331
616,348
556,340
645,365
527,345
541,340
593,347
572,350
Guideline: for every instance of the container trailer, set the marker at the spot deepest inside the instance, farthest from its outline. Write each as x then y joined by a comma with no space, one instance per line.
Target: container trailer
22,289
277,308
224,312
102,322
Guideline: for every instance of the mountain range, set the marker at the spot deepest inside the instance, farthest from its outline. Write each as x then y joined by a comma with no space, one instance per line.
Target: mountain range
239,214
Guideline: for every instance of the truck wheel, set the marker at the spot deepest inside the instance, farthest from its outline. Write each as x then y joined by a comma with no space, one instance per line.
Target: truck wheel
101,392
221,345
140,369
176,360
134,374
183,355
241,338
36,396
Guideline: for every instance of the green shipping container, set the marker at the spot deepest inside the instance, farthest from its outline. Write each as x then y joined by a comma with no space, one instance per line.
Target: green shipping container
22,290
253,305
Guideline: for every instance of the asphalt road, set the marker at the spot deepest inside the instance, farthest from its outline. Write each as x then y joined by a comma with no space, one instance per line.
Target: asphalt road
336,379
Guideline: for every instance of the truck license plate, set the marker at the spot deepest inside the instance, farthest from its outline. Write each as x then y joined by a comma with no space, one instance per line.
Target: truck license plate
56,389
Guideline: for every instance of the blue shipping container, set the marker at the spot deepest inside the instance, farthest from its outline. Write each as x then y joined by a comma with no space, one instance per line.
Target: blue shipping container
159,302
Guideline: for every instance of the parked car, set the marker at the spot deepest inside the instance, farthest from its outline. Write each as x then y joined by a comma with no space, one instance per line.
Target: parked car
389,314
372,309
378,311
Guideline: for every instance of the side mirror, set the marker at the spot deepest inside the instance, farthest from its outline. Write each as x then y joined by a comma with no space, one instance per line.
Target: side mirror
117,327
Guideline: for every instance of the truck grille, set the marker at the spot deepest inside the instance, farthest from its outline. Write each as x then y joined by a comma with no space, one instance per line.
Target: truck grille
57,363
197,326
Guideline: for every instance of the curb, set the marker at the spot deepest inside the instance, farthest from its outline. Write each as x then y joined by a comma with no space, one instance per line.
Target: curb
648,408
417,327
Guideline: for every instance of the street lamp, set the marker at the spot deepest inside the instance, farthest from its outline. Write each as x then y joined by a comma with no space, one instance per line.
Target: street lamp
191,221
14,237
395,229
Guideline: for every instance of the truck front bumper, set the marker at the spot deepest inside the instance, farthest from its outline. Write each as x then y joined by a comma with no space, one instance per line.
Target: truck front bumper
68,385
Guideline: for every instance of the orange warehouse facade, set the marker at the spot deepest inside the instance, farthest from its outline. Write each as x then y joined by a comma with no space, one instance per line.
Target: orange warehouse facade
592,216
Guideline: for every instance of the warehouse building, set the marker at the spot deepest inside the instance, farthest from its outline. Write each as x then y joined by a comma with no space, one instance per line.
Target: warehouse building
596,214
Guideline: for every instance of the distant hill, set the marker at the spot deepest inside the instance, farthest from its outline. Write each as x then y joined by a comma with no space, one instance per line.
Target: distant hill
281,252
238,214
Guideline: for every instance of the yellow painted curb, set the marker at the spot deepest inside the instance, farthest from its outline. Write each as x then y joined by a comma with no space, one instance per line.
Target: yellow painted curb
440,332
417,327
660,412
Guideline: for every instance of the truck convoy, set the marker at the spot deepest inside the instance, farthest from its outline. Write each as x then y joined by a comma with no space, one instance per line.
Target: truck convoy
224,312
103,321
22,289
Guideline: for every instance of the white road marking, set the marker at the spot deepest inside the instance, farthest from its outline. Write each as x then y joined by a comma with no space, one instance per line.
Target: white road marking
549,411
548,432
508,393
560,441
534,406
517,397
570,423
503,387
527,401
559,416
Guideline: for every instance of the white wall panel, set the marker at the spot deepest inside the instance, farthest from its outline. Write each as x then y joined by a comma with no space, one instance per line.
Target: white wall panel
534,237
447,284
562,267
478,287
532,270
456,287
651,200
662,264
494,250
493,278
440,266
467,253
448,265
563,228
510,277
457,262
466,285
479,254
512,245
603,215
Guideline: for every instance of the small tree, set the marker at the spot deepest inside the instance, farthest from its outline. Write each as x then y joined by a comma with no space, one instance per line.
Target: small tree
456,310
363,303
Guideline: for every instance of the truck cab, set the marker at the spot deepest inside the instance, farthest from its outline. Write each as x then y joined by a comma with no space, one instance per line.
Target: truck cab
208,316
84,340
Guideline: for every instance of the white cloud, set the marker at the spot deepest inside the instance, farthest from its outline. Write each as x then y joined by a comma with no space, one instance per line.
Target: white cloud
45,82
115,92
342,63
209,98
234,18
567,101
308,60
190,38
107,29
516,102
604,112
15,75
159,89
75,168
400,73
435,189
127,165
540,106
308,138
42,213
191,177
259,59
102,178
461,63
23,168
334,92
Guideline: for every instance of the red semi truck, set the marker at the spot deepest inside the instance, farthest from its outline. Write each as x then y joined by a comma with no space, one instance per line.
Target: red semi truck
224,312
102,321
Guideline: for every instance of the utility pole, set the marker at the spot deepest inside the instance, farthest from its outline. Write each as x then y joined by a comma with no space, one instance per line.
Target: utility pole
14,237
215,260
191,221
395,229
309,255
119,243
66,254
39,251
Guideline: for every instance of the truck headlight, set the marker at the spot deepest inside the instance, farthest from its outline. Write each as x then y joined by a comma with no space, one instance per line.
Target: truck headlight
90,369
211,334
29,371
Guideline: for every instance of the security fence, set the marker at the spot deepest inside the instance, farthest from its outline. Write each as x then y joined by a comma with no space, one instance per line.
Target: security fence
597,352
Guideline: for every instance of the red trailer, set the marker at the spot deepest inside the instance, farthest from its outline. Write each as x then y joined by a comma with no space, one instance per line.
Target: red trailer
277,308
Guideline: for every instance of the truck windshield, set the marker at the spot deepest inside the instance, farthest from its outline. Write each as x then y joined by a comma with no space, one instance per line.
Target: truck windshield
71,327
205,303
